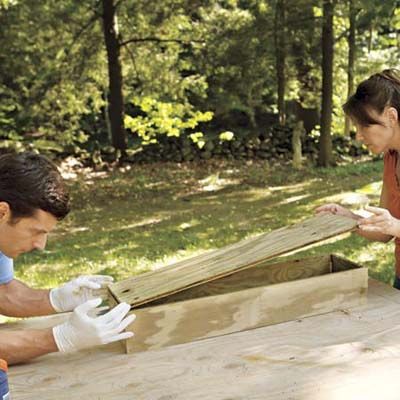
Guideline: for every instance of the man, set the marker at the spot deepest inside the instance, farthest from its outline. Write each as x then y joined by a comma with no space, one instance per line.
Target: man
33,198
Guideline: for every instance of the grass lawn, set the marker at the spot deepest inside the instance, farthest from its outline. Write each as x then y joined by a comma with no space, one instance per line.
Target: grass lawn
136,219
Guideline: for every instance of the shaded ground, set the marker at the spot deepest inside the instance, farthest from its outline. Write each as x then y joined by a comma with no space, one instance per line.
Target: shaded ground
129,221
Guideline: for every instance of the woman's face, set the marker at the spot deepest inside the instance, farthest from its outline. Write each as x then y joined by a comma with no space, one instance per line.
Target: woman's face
377,137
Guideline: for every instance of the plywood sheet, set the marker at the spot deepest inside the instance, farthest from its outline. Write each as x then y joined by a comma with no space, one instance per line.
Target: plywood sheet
347,355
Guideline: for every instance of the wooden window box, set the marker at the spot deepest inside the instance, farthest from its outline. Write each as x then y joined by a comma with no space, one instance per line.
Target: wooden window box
263,294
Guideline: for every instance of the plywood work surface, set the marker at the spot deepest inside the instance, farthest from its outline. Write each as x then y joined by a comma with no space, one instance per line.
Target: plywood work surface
229,259
347,355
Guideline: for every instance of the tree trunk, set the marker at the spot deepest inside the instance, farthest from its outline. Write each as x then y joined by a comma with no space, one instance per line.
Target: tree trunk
115,98
398,40
107,116
296,145
280,53
325,144
370,35
351,61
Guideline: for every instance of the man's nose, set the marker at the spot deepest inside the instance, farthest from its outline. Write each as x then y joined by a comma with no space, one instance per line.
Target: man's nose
40,244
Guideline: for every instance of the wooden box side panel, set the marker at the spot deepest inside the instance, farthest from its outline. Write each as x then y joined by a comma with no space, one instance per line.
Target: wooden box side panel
190,320
342,264
261,275
112,302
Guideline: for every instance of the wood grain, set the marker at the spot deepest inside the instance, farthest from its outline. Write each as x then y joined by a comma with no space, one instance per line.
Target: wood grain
228,260
347,355
342,264
261,305
260,275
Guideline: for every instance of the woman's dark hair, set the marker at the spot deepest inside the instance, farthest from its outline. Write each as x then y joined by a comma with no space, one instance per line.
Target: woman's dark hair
29,182
375,93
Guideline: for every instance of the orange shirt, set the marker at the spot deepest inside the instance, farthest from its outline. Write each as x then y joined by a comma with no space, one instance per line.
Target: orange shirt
3,365
393,190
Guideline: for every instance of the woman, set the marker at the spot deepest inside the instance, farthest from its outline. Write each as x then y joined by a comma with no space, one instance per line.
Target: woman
375,112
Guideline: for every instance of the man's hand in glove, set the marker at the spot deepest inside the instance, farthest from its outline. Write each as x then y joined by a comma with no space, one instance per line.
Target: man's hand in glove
82,331
78,291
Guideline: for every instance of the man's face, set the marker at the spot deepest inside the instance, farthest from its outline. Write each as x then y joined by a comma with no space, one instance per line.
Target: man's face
25,234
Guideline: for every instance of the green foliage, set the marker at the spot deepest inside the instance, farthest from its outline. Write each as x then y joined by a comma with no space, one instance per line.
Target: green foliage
46,85
164,118
237,58
185,55
226,136
198,138
4,4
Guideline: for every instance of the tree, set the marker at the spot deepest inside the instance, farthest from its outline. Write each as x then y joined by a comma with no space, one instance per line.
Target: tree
351,59
115,101
50,83
280,54
239,59
325,145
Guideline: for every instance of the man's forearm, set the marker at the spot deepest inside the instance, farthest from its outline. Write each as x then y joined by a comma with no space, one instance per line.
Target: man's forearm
20,346
19,300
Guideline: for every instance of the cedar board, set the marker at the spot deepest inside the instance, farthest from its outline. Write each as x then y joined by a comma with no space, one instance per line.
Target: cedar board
228,260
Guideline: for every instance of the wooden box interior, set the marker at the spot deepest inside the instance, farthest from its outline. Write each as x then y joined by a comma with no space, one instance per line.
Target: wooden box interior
264,274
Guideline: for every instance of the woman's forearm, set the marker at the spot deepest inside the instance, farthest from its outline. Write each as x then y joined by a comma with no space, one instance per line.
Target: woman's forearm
374,236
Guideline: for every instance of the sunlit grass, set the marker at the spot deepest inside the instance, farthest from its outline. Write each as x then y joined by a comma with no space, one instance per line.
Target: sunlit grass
127,222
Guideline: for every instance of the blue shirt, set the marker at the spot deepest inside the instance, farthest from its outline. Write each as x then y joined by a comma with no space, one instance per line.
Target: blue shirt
6,269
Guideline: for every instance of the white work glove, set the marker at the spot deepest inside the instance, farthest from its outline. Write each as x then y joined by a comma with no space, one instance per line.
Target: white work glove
82,331
77,291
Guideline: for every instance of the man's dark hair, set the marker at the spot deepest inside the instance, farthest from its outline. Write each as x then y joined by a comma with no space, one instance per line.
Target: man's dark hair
28,182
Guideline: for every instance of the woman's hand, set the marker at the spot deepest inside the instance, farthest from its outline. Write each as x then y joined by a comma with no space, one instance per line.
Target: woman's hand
336,209
381,221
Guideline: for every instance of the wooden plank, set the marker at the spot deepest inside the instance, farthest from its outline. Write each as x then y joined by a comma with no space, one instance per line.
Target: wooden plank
350,355
261,275
228,260
112,301
205,317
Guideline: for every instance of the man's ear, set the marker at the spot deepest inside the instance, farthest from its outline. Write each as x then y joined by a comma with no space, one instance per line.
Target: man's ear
5,211
393,116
